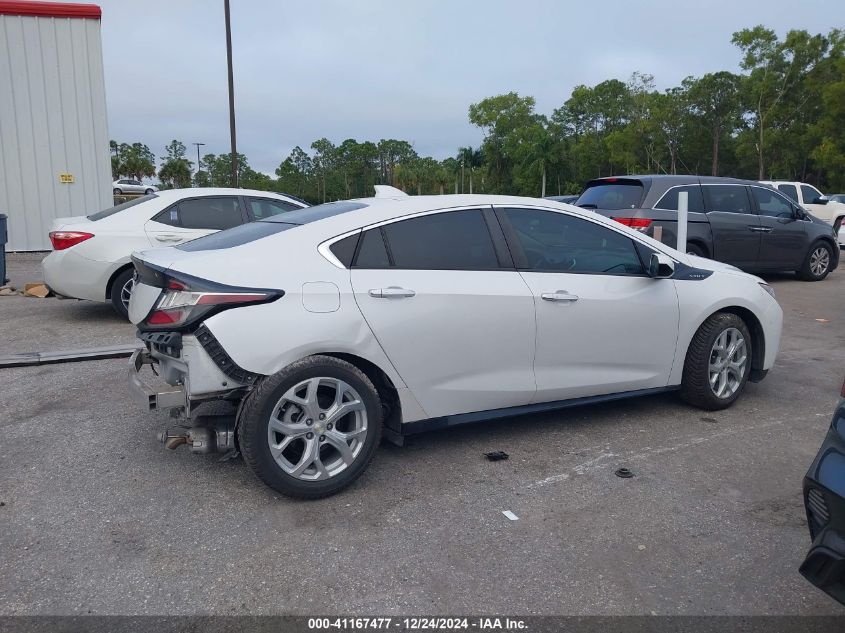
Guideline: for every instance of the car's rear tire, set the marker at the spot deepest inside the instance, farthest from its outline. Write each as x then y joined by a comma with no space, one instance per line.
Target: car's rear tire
695,249
293,436
117,191
121,289
718,362
816,265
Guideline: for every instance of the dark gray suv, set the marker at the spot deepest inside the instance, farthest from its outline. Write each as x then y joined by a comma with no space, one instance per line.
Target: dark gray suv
740,222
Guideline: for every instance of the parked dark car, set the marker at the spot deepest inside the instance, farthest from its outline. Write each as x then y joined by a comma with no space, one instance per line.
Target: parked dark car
564,199
740,222
824,500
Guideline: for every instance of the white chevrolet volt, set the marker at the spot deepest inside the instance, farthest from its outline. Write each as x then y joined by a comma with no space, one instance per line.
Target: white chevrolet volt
333,326
90,258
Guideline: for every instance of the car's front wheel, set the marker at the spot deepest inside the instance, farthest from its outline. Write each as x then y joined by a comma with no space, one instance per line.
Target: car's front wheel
117,191
816,265
311,429
718,362
149,192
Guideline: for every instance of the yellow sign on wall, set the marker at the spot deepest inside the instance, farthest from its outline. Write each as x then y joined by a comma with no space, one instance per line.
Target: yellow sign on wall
66,178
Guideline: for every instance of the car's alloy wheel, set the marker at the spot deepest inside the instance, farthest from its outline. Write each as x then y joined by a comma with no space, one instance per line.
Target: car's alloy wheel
317,428
718,362
117,191
126,292
819,261
120,291
311,429
149,192
728,358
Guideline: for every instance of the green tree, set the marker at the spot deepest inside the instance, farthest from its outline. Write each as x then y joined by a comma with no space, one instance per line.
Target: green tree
714,101
776,71
175,171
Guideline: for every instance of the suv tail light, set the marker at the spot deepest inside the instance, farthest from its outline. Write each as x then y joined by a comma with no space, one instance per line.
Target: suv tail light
65,239
842,391
186,300
640,224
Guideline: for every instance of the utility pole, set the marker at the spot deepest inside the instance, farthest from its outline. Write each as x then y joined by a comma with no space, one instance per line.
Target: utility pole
199,163
231,95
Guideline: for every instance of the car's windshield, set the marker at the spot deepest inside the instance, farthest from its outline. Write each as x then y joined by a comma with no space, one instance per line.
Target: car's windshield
612,194
99,215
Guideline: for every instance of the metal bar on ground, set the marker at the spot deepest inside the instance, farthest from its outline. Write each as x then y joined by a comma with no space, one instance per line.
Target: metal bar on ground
30,359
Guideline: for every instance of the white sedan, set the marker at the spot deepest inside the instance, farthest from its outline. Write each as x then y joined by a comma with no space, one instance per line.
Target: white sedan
130,185
335,325
91,254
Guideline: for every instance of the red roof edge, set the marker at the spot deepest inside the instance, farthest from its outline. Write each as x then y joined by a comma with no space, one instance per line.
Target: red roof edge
51,9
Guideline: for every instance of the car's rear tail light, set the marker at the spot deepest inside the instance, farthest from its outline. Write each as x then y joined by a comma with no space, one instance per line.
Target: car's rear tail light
186,300
640,224
65,239
842,391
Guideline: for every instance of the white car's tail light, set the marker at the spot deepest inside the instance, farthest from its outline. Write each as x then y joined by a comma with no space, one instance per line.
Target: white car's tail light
186,300
65,239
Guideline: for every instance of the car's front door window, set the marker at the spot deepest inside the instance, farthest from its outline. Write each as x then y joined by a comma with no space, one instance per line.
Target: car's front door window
810,194
771,203
265,207
559,242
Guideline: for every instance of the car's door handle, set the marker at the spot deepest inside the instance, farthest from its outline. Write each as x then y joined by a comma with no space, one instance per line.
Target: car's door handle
391,293
560,295
168,238
760,229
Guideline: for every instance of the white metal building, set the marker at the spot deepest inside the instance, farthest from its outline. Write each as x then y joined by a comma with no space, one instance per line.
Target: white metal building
54,143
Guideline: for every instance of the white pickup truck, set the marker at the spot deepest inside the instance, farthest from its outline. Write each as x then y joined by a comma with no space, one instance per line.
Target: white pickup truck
814,201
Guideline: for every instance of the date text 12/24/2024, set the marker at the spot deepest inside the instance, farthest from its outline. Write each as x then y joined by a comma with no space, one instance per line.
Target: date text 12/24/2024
417,624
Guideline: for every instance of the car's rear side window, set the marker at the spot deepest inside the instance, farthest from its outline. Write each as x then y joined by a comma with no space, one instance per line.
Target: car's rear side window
344,249
612,194
372,252
213,213
99,215
454,240
727,198
695,201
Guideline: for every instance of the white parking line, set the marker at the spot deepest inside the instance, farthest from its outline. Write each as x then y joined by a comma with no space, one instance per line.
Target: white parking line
599,461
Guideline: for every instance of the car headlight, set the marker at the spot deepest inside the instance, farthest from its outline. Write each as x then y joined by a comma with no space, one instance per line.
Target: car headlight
768,289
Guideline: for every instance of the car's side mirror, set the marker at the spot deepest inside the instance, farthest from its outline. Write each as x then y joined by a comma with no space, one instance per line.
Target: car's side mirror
660,266
821,200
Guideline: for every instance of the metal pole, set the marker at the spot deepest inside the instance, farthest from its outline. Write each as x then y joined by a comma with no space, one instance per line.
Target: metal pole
231,95
199,162
683,207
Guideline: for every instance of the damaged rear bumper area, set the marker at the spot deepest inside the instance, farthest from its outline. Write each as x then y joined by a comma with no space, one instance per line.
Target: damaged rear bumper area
176,373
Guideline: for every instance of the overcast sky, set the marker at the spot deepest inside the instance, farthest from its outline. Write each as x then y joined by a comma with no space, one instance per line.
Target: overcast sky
407,69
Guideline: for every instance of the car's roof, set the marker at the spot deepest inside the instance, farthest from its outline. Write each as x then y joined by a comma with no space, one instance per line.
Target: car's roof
193,192
349,215
678,178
